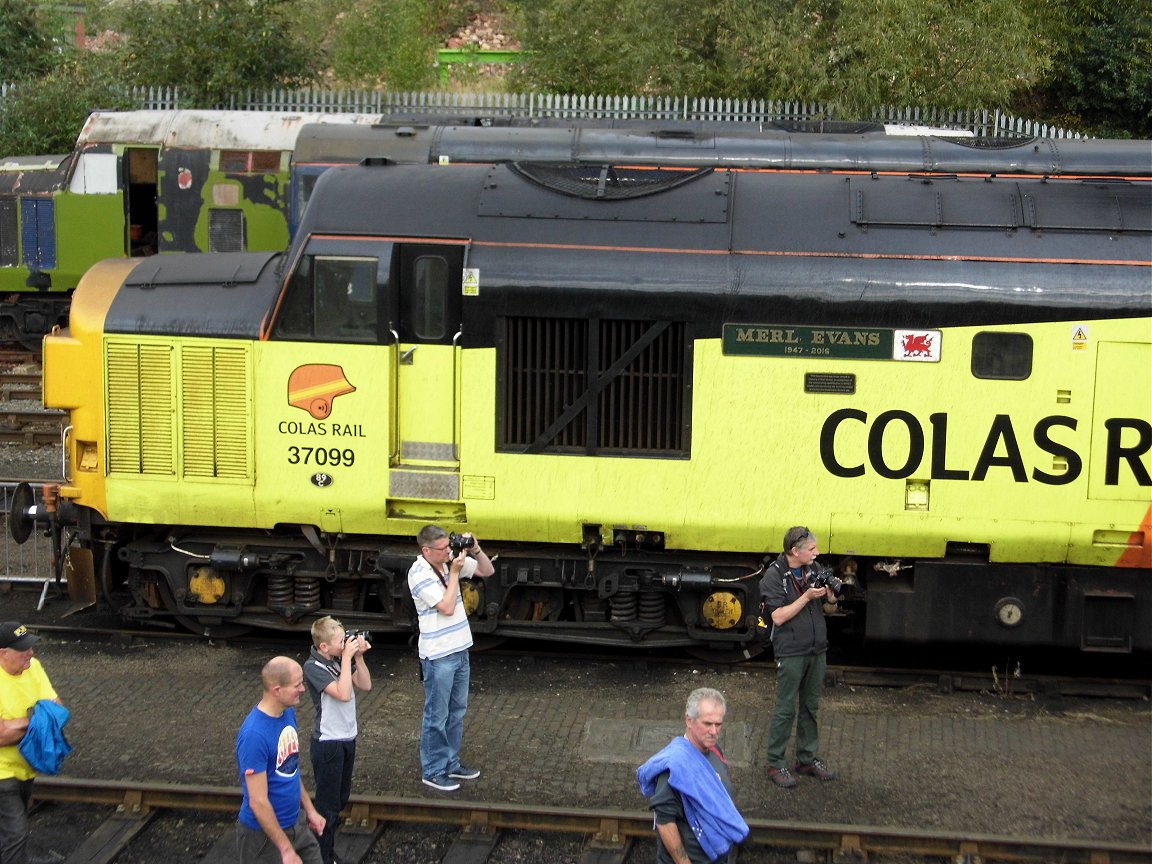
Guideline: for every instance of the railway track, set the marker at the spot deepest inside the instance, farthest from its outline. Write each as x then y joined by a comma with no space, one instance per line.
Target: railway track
607,834
21,420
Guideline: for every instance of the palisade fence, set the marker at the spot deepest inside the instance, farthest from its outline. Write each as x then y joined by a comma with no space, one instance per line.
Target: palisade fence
980,122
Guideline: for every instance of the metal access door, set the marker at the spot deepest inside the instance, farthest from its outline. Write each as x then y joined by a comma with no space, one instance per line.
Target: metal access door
426,459
1119,468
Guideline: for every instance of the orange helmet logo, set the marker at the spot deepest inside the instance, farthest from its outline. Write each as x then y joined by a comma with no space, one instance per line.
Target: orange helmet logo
314,387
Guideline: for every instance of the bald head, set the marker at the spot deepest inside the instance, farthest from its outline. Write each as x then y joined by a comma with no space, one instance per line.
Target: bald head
279,672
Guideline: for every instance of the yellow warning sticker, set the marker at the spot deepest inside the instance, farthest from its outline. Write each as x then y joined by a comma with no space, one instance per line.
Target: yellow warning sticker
471,283
1079,337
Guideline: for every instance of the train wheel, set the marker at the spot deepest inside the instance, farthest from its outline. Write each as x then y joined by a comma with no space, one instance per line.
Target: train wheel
215,630
735,654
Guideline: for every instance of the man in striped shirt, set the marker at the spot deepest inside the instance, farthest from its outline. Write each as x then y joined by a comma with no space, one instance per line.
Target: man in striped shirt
445,637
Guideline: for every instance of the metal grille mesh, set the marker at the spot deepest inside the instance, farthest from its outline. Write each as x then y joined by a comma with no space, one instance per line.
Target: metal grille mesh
606,182
227,231
140,415
597,387
216,411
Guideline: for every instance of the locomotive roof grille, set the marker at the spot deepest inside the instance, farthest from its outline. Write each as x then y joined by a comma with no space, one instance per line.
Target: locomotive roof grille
604,182
988,142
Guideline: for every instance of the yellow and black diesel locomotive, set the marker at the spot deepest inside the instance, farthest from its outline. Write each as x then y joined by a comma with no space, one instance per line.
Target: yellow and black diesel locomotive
628,380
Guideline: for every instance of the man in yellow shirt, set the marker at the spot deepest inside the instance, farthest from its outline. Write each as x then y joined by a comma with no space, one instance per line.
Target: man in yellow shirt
23,683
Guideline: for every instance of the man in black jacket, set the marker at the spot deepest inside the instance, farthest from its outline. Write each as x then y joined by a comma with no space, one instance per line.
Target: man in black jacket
800,644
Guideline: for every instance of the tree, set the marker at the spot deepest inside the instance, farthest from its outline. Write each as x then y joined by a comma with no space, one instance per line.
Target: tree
216,49
25,43
1079,59
946,53
385,43
45,116
1101,71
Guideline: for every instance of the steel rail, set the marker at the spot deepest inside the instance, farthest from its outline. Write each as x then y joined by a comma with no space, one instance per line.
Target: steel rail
610,827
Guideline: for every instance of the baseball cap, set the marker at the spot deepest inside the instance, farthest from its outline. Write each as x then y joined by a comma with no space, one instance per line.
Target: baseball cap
15,635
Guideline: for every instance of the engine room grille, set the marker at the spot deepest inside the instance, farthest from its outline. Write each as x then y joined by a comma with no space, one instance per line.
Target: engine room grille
216,408
604,181
227,230
140,415
595,387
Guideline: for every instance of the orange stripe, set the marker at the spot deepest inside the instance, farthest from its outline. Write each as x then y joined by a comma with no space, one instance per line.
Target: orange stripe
1139,554
784,254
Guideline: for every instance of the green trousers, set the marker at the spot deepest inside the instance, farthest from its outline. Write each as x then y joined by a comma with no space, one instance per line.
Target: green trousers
799,683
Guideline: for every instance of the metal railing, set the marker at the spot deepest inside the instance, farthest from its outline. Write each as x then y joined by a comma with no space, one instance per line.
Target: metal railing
981,122
24,562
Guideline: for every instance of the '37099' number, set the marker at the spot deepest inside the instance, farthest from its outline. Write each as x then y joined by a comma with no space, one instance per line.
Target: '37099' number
321,456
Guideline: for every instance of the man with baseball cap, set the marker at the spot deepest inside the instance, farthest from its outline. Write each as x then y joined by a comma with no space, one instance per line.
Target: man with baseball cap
23,683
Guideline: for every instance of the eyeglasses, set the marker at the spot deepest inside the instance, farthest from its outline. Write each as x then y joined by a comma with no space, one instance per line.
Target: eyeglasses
439,548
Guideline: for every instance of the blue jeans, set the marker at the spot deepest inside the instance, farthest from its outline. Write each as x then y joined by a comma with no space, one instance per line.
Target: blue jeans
446,682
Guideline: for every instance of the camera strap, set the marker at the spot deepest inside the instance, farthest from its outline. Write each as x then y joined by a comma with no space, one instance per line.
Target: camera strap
800,585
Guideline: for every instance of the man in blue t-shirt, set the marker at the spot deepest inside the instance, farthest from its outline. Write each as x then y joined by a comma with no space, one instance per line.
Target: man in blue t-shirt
269,829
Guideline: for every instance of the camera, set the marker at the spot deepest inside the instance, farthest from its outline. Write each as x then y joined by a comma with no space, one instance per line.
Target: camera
459,542
366,635
823,577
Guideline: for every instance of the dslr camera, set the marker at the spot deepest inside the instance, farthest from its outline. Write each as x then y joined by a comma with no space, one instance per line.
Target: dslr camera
366,635
459,542
823,577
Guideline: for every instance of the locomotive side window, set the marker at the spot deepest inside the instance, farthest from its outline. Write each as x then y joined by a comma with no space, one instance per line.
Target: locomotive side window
1003,356
249,161
331,298
429,295
599,387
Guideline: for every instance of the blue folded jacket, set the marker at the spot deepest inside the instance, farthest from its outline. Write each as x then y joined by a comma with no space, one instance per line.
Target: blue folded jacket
44,745
708,807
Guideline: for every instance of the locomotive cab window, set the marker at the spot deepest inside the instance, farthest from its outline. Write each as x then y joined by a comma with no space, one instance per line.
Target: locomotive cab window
332,298
1003,356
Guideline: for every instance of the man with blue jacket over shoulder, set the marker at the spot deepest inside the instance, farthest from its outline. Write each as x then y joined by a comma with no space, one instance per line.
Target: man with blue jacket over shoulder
690,790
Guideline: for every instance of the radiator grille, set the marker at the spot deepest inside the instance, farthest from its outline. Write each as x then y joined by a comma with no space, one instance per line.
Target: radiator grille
140,410
226,231
606,387
212,418
216,409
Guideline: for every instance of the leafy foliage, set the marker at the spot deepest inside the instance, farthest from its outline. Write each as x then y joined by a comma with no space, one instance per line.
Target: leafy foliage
1080,59
385,43
45,116
213,49
25,41
1100,78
